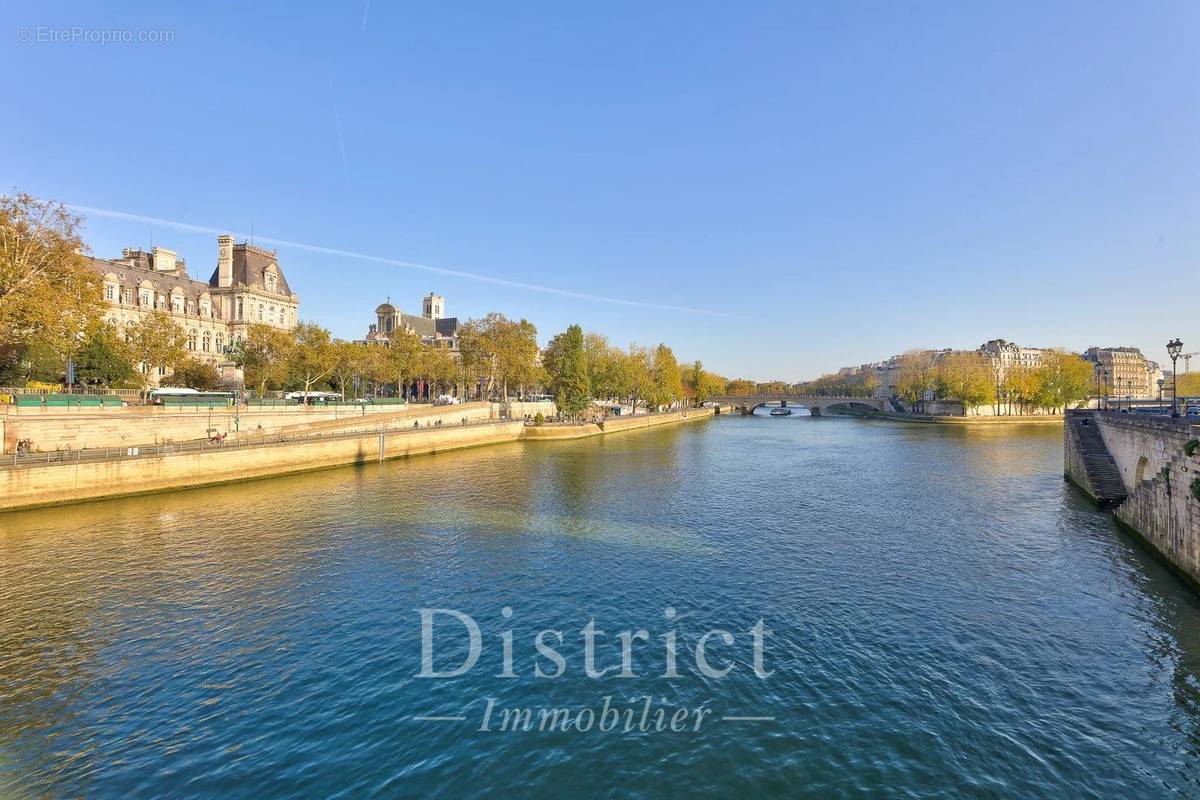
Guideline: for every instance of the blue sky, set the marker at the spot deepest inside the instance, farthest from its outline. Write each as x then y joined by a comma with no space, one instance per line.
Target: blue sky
838,181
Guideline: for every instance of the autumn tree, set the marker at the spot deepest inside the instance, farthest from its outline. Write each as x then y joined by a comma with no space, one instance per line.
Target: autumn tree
1063,378
403,354
266,351
156,341
916,377
311,356
966,377
602,365
47,293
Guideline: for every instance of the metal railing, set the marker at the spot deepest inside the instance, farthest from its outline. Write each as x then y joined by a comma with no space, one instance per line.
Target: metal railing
58,458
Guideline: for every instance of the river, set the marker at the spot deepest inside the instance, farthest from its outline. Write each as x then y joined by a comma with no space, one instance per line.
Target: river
941,616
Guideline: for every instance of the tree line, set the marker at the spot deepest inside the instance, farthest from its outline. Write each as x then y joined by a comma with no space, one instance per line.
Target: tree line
1060,380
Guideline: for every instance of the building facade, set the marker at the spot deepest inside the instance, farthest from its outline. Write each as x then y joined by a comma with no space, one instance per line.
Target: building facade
1124,371
247,287
432,326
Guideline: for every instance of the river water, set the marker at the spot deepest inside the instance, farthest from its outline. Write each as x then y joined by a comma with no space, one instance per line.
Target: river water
947,618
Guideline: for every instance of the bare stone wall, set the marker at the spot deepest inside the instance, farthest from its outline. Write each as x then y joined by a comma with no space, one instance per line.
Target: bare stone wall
1157,474
51,429
61,483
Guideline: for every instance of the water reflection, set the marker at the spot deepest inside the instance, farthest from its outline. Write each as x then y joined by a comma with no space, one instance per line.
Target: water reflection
948,614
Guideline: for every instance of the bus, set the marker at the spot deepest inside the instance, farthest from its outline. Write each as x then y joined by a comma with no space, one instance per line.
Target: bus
181,396
313,398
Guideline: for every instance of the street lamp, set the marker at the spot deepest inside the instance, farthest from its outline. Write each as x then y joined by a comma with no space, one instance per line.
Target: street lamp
1174,348
1160,385
1104,375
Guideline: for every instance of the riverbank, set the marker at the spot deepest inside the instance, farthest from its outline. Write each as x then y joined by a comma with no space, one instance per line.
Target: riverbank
937,419
129,472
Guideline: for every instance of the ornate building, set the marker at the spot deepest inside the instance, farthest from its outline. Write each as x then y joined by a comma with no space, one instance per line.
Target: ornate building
247,287
434,329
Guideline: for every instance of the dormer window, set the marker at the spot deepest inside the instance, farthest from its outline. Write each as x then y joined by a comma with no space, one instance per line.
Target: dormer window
147,298
270,282
177,304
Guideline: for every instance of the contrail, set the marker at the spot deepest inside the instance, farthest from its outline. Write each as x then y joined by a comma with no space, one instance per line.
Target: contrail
366,11
453,273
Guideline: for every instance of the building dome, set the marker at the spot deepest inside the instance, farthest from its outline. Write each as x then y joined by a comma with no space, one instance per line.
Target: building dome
386,308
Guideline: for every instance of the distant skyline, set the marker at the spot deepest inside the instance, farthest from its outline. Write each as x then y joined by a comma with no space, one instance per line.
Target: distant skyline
779,190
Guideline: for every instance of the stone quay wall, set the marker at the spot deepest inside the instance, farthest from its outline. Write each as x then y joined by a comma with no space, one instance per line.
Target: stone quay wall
66,483
52,429
1157,474
385,438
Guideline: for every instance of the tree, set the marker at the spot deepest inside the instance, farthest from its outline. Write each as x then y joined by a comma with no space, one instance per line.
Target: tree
567,369
33,360
1063,378
311,357
194,374
403,359
633,378
500,352
103,357
349,362
666,376
601,365
47,293
266,352
156,342
741,387
966,377
916,378
1187,385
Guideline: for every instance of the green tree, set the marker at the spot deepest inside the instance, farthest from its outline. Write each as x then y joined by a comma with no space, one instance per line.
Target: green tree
667,377
47,293
103,357
156,342
568,371
194,374
403,359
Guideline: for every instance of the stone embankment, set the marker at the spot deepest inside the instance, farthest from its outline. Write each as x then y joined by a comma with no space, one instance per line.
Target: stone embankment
91,475
1139,466
946,419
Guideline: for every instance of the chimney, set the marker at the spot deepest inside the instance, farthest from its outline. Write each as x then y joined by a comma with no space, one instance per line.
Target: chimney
164,259
224,261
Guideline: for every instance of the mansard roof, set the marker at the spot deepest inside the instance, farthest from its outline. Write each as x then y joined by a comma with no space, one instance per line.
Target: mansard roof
137,268
250,265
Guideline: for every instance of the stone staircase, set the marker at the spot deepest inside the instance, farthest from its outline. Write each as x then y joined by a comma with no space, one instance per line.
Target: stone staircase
1102,470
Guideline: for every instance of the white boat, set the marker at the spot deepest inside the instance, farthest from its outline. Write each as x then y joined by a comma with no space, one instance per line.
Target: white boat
781,412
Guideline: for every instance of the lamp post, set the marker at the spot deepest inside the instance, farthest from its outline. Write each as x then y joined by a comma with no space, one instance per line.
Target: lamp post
1129,394
1160,385
1174,348
1104,375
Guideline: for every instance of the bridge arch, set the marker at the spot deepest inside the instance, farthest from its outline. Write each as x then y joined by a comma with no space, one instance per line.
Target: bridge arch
814,403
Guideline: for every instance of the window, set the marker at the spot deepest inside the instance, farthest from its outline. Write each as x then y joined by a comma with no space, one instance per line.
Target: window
260,312
238,313
270,283
177,304
147,298
205,308
271,315
191,344
110,292
220,343
206,345
127,296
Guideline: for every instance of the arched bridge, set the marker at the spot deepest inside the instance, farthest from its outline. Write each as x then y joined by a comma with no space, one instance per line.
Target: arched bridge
747,403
